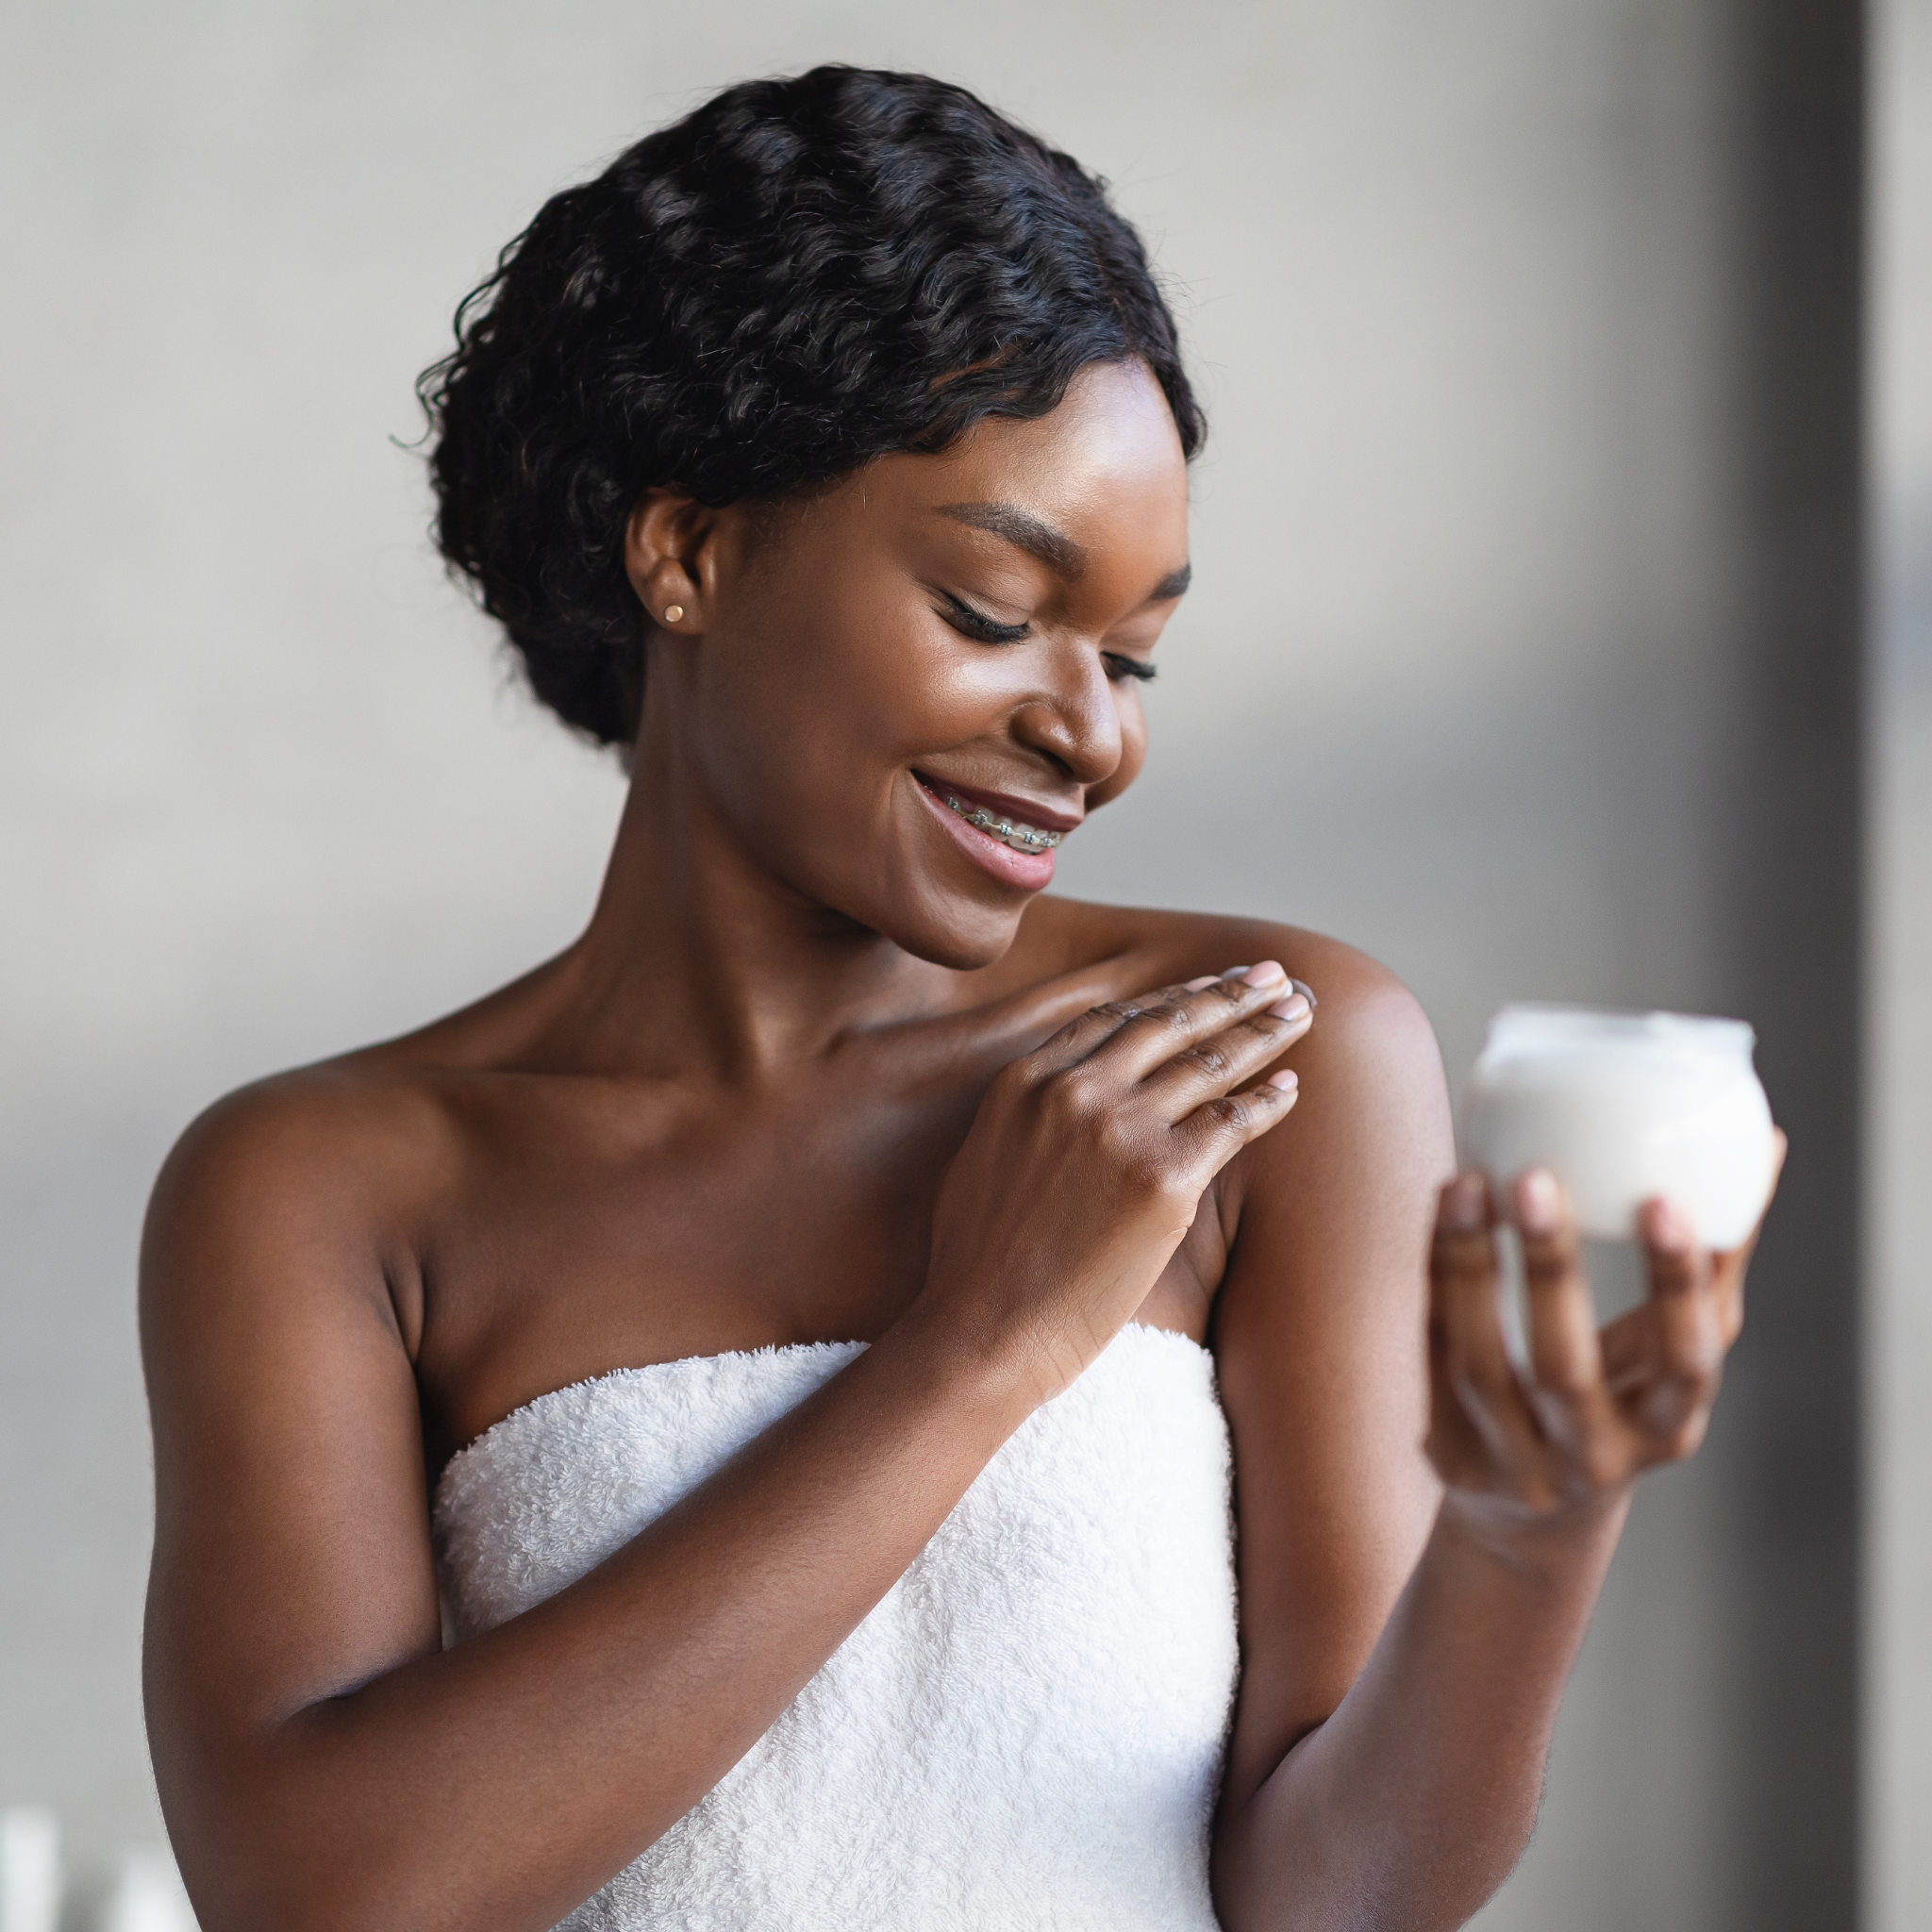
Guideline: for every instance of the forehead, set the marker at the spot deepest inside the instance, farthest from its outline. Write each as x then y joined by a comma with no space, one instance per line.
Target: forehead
1104,466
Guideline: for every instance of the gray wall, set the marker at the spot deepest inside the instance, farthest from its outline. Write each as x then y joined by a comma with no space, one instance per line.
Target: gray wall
1478,298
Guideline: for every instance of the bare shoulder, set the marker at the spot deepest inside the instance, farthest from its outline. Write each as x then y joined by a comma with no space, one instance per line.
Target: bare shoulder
325,1172
1366,1019
1356,1163
301,1185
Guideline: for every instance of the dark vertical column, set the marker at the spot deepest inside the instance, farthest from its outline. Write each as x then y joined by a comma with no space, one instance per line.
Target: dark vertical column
1789,1454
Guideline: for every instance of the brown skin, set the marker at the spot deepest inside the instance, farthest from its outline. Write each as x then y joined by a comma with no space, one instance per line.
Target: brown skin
814,1074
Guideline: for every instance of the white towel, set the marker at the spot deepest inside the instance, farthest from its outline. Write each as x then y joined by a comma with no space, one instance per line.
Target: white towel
1026,1731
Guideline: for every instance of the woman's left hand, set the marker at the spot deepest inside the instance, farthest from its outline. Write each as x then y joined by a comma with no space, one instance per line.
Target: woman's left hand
1591,1409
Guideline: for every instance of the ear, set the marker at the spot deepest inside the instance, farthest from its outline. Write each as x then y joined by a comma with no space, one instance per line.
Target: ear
671,558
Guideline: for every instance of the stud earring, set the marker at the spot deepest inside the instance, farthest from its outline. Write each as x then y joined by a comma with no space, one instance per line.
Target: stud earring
673,612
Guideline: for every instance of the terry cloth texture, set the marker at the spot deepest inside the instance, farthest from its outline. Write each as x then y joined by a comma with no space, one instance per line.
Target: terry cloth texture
1026,1733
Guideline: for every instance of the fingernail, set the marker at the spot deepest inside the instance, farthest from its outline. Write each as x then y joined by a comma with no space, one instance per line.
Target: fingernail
1285,1080
1269,972
1200,984
1306,991
1666,1226
1538,1202
1292,1008
1463,1204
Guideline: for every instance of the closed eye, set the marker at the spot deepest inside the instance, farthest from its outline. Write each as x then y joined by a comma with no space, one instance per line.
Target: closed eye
975,624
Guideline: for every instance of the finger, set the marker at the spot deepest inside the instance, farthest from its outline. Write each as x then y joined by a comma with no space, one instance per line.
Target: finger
1566,1365
1466,1321
1221,1061
1216,1131
1464,1456
1149,1033
1079,1038
1629,1347
1727,1294
1686,1336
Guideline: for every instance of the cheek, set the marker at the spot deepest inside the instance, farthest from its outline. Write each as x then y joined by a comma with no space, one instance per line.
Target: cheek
823,713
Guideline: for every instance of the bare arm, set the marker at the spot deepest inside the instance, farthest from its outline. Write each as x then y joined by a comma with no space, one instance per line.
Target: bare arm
322,1761
1387,1775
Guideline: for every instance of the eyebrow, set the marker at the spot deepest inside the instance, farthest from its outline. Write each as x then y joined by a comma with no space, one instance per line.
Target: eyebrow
1053,547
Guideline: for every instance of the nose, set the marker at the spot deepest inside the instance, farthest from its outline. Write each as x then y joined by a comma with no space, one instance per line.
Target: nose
1073,719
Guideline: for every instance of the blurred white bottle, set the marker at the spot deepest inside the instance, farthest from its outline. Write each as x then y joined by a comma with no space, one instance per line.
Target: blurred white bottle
1621,1106
144,1895
29,1870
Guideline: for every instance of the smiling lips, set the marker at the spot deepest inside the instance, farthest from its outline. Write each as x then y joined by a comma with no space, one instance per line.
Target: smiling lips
987,827
1022,837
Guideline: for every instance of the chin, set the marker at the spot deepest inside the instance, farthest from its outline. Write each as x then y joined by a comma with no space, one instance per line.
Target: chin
941,920
976,938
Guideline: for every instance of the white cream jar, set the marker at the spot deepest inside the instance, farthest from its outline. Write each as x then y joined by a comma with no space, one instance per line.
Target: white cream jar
1621,1106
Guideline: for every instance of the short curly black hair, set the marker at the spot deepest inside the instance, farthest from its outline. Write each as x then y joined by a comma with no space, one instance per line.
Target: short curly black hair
800,276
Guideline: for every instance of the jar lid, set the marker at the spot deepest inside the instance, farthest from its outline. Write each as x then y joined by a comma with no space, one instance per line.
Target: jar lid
1531,1029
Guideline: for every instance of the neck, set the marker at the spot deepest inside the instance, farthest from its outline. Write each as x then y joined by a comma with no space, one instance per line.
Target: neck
698,960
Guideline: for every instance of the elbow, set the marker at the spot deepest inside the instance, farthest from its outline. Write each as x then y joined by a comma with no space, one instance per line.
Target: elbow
314,1880
1439,1881
1475,1873
1365,1874
290,1904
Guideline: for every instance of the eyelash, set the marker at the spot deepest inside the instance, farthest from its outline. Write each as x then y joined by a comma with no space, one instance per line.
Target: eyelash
964,617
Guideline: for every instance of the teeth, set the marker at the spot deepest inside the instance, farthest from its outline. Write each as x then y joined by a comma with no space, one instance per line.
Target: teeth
1021,838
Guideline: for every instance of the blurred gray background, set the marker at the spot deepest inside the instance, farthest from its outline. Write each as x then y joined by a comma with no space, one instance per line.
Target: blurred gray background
1571,387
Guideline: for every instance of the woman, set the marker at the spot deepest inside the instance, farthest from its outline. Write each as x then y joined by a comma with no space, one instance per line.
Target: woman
776,1329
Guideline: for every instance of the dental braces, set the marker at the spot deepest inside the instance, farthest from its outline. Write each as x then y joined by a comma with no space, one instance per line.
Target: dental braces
1021,838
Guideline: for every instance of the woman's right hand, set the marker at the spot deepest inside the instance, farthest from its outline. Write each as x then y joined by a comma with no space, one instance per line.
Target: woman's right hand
1088,1159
